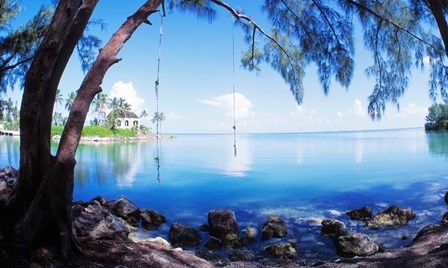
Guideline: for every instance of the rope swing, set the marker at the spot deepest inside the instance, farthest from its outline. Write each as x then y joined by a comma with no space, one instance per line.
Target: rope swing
234,93
157,84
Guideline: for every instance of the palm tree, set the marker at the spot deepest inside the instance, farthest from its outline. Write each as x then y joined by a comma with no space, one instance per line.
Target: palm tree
119,109
101,103
158,118
70,100
59,98
144,113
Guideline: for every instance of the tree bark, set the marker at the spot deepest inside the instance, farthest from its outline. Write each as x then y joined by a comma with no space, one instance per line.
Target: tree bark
436,7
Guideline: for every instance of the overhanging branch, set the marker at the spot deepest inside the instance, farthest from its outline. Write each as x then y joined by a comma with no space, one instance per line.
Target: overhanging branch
240,16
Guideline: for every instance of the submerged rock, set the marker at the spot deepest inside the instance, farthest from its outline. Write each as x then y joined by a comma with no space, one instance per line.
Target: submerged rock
250,232
333,228
273,227
445,219
214,243
183,235
123,207
393,216
355,245
364,213
223,226
285,249
151,218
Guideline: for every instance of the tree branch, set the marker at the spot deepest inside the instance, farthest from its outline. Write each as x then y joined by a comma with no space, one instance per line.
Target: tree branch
327,20
13,66
240,16
375,14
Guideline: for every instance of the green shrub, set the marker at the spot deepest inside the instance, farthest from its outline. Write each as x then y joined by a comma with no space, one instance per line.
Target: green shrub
437,118
56,130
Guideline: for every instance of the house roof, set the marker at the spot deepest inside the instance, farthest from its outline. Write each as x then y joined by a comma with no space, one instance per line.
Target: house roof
131,115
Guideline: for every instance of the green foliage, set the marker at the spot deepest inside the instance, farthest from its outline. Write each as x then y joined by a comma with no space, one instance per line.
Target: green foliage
17,46
56,130
437,118
70,100
201,8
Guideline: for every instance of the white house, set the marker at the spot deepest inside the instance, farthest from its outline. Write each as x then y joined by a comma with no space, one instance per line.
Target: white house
128,121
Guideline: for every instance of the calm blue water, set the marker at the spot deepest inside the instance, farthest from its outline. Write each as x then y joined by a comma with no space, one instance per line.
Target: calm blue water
300,177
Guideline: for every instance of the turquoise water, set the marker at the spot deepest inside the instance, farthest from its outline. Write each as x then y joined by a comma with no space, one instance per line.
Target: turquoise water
300,177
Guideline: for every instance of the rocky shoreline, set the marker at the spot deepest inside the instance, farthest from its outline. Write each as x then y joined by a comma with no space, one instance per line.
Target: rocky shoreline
107,231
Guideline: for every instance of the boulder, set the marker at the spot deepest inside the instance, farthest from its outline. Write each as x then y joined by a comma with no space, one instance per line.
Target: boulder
273,227
183,235
282,250
95,221
362,214
333,228
214,243
445,218
222,225
124,208
151,218
446,198
355,245
393,216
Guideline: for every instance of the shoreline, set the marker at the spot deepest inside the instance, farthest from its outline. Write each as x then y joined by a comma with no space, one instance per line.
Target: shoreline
111,139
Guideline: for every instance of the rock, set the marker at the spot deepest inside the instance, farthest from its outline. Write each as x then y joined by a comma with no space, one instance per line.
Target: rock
97,222
240,255
214,243
446,198
123,207
279,250
273,227
223,225
445,219
333,228
204,228
393,216
183,235
246,241
355,245
250,232
364,213
151,218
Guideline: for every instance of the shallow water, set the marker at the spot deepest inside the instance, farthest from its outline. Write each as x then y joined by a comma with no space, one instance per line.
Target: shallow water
300,177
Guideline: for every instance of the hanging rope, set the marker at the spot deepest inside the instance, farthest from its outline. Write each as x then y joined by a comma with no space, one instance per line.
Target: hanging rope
157,84
234,93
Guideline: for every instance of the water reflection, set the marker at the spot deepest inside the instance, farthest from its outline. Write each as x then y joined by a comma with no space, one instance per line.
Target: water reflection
120,161
238,164
9,148
438,143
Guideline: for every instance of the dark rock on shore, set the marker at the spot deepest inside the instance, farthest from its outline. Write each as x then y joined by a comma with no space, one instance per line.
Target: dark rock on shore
123,207
223,226
241,255
362,214
273,227
355,245
151,218
94,221
393,216
8,177
282,250
183,235
333,228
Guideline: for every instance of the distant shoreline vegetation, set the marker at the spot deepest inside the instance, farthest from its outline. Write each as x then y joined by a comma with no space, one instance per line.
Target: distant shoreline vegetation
437,118
98,131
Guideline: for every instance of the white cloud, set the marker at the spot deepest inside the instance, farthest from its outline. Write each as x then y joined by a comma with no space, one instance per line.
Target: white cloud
358,108
413,110
339,114
172,116
243,105
127,91
301,113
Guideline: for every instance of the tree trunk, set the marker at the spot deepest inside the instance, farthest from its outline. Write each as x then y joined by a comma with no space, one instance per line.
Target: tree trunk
436,7
38,211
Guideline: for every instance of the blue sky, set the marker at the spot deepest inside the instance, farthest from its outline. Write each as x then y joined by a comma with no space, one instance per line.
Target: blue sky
196,80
